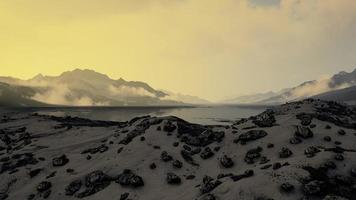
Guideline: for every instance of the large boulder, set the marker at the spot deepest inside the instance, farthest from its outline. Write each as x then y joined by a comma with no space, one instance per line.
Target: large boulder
251,136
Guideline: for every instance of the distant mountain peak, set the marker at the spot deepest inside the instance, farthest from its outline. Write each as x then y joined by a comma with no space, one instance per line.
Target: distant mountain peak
84,73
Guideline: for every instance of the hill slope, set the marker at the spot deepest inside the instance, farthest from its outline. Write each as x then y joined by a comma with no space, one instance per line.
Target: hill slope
347,95
301,150
15,96
302,91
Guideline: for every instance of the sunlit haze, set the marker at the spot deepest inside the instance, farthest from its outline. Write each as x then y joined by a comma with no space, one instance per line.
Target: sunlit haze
208,48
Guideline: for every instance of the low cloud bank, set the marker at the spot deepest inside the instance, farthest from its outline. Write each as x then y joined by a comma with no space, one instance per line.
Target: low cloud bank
319,86
126,91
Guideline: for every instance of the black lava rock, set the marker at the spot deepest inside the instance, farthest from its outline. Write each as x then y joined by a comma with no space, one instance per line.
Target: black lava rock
73,187
285,152
60,161
173,179
43,186
177,164
206,153
327,138
226,162
287,187
250,136
311,151
165,157
128,178
209,184
252,155
303,132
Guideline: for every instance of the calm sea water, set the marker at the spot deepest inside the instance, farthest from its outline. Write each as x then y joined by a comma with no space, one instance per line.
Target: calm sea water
202,115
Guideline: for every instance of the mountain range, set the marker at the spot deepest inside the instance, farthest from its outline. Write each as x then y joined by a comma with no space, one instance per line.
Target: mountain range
89,88
339,87
84,88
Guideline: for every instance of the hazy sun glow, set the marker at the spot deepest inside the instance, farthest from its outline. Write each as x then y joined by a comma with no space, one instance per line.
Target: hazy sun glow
209,48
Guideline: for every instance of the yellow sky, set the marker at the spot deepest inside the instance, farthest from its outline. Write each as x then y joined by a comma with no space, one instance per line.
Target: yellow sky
213,49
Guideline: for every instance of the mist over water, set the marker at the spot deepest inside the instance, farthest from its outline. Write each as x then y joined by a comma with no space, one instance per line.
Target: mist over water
202,115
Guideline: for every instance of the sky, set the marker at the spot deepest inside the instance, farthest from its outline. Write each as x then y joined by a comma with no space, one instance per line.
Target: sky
208,48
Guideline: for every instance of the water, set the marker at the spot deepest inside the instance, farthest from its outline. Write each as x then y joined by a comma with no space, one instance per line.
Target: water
202,115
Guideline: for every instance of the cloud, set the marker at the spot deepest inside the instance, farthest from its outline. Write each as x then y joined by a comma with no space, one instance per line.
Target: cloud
60,94
319,86
126,91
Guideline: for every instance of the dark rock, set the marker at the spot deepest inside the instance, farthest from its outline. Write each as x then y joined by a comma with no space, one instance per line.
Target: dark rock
165,157
311,151
327,138
265,119
188,157
251,136
34,172
31,196
153,166
46,194
120,150
60,161
175,144
305,119
314,187
173,179
295,140
285,152
52,174
96,178
264,160
252,155
276,166
287,187
195,151
327,127
216,149
177,164
266,166
353,172
128,178
220,176
246,174
226,162
73,187
43,186
124,196
209,184
186,147
190,177
339,157
206,153
303,132
329,165
168,126
95,182
341,132
270,145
